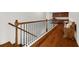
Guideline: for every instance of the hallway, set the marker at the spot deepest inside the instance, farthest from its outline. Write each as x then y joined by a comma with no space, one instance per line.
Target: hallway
56,39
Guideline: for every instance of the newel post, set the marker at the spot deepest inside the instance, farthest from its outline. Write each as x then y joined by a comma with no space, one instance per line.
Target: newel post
16,33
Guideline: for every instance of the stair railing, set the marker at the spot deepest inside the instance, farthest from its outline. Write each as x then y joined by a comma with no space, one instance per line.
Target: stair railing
30,31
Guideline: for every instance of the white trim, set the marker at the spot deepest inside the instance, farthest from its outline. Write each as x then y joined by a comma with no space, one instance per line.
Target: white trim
62,18
41,36
77,42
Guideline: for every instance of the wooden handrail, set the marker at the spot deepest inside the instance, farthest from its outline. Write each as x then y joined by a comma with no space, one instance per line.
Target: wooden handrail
41,21
32,22
22,29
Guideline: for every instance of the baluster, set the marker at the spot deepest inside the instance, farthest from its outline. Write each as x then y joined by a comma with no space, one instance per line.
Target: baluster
37,29
31,38
31,32
21,35
26,36
34,31
46,26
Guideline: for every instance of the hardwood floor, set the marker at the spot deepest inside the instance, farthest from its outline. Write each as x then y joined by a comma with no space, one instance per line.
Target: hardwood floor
59,43
56,39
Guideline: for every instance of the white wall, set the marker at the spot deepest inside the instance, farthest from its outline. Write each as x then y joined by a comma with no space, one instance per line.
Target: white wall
74,16
48,15
6,31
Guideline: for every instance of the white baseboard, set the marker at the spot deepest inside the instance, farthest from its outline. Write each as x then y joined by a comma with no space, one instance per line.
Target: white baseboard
77,42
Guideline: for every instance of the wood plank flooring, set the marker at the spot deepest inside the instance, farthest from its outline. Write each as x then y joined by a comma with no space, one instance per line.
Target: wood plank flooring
53,39
56,39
